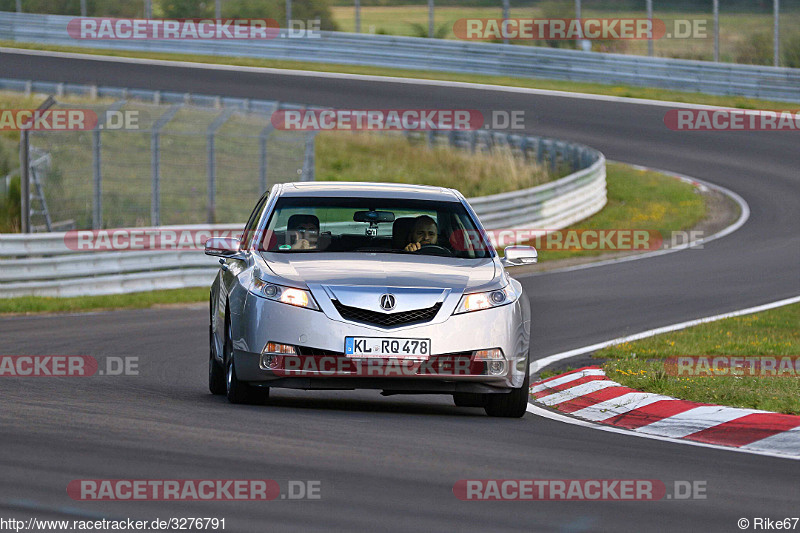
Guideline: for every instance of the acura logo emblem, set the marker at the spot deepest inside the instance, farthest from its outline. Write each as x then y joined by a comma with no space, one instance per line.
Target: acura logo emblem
387,302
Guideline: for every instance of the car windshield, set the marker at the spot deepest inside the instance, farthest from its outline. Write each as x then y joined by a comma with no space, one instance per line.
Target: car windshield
369,225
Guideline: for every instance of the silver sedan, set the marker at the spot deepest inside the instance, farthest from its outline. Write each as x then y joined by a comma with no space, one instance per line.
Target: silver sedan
342,286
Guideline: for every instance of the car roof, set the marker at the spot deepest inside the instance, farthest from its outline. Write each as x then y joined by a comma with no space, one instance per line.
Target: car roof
368,190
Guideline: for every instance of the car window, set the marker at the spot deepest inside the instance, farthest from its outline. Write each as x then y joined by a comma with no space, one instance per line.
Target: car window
252,222
333,224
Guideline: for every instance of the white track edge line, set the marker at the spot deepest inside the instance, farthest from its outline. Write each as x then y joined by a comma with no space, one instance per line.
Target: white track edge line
373,78
744,216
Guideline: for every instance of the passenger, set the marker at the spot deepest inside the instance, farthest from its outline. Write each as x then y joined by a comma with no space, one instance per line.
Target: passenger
303,230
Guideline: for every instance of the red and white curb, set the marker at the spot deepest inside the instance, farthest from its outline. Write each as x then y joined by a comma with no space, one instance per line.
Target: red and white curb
587,394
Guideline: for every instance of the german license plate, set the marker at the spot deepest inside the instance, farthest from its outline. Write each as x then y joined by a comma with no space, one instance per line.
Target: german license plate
386,347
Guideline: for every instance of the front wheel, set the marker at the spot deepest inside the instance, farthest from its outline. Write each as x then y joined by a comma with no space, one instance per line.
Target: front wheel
238,391
216,374
511,405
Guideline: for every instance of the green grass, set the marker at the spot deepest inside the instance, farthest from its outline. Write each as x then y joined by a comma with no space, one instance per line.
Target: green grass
642,200
775,332
588,88
135,300
345,156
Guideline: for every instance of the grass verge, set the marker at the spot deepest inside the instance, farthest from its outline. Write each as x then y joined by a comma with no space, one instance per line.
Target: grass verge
640,364
344,156
134,300
588,88
640,200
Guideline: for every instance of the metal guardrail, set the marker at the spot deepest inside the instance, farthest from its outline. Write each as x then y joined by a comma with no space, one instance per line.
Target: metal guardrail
451,56
42,264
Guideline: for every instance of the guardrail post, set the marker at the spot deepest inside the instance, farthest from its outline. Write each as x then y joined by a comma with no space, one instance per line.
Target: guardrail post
155,163
211,167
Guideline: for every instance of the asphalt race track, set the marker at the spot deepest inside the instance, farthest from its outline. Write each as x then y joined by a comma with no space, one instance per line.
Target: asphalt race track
389,464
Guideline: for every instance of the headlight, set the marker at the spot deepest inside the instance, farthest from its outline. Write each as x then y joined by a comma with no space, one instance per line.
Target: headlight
486,300
287,295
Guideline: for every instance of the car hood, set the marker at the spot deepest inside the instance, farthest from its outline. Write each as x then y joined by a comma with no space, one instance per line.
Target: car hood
384,270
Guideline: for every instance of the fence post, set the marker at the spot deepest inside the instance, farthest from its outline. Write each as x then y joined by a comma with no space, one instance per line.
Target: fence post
212,163
776,7
24,183
97,174
155,163
650,19
430,19
262,155
308,158
716,30
97,181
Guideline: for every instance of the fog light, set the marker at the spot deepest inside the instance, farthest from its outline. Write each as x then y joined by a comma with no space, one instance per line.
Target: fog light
497,367
494,359
270,361
272,354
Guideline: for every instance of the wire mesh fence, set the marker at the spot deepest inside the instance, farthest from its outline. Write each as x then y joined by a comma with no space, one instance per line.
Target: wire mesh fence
148,165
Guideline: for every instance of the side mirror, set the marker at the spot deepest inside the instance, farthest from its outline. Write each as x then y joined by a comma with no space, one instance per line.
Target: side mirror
520,255
224,247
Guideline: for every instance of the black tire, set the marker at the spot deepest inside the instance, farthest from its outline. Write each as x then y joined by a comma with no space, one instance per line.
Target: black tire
239,391
469,399
511,405
216,373
216,377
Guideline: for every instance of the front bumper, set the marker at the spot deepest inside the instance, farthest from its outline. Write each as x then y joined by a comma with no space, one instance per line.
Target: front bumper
315,332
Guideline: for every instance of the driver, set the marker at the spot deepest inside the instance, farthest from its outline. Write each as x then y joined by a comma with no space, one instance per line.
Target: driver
304,231
424,232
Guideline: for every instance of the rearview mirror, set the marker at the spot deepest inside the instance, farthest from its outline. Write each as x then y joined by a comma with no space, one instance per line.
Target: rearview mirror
224,247
520,255
373,216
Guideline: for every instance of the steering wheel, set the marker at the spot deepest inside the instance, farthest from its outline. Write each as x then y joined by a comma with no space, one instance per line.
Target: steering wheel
435,249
